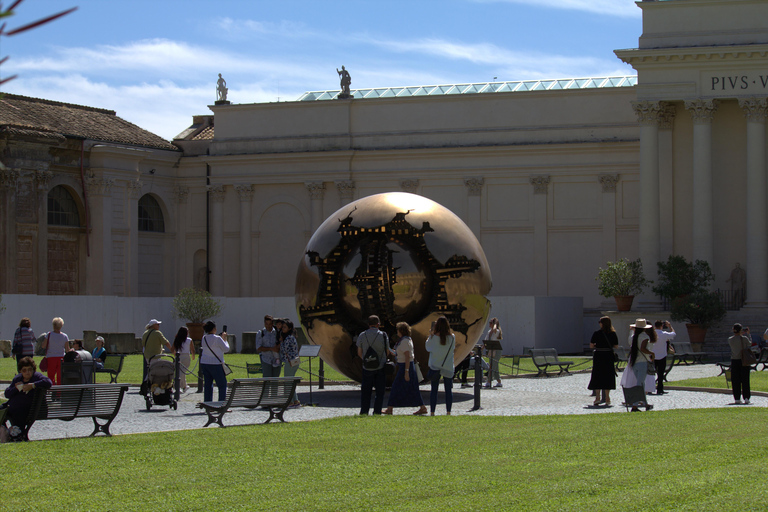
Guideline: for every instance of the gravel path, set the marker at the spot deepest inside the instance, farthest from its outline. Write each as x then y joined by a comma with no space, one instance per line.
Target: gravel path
519,397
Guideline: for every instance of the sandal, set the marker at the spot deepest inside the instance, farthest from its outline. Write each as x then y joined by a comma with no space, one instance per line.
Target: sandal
420,412
387,411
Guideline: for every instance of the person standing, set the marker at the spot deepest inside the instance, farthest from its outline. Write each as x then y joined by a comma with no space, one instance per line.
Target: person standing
739,372
23,341
665,333
405,388
56,345
441,345
213,348
289,352
185,351
494,333
603,341
268,348
373,348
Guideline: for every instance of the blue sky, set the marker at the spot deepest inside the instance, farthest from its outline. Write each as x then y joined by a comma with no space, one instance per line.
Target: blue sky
156,62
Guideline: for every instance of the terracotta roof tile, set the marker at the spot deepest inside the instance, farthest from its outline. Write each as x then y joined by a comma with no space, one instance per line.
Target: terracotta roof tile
21,114
205,134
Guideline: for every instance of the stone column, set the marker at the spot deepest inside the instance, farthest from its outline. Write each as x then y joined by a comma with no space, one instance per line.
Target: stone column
316,191
8,180
409,185
608,183
666,186
702,112
474,199
99,264
133,189
756,110
649,115
217,193
346,191
245,193
540,236
180,199
42,181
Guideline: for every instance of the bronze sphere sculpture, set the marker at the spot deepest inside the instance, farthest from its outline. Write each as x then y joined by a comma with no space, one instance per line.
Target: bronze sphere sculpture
402,257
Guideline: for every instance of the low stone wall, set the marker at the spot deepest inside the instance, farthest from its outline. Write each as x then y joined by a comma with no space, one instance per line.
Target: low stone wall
114,342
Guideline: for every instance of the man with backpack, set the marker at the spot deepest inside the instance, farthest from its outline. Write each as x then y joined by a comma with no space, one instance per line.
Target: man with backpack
373,347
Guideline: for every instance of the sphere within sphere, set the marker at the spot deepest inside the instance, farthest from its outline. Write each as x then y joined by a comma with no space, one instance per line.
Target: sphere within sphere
402,257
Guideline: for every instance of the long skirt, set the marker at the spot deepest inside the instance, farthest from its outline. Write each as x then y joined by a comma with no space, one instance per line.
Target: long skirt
603,372
405,393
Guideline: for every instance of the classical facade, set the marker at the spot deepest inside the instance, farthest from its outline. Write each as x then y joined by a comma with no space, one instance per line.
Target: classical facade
554,177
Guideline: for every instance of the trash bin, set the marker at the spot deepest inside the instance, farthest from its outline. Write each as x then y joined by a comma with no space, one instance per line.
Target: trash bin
77,367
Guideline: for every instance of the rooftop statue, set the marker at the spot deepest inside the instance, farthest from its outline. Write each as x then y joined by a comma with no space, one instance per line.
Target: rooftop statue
221,89
346,81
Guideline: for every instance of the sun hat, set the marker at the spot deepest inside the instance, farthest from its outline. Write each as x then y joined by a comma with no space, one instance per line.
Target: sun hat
640,323
153,322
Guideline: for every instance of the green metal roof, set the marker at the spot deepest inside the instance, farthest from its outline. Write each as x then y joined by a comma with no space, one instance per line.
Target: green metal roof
486,87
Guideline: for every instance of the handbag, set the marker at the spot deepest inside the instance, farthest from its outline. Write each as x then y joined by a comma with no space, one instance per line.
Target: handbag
296,361
44,362
748,357
225,367
419,376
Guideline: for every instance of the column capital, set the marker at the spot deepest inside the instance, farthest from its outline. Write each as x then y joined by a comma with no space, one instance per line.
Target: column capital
474,185
702,111
346,189
216,192
245,192
609,182
42,180
667,116
540,183
649,112
409,185
755,109
180,194
316,189
134,188
98,186
9,178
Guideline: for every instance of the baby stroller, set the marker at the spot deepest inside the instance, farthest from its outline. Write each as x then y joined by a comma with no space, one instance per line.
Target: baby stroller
158,387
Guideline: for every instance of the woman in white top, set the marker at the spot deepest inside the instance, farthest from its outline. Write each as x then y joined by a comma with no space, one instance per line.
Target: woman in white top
213,348
405,388
441,345
56,344
185,351
640,355
494,333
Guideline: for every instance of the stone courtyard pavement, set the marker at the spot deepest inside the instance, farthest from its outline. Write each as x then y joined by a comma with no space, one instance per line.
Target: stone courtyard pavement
519,397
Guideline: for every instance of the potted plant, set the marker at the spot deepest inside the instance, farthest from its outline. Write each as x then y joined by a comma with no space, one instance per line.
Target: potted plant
622,280
195,306
699,310
679,277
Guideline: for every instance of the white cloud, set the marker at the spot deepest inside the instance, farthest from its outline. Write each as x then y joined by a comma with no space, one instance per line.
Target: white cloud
622,8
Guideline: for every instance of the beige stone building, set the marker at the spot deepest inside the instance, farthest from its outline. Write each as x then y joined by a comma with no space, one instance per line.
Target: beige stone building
554,177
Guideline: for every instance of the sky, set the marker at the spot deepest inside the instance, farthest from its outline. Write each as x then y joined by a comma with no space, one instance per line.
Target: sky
156,62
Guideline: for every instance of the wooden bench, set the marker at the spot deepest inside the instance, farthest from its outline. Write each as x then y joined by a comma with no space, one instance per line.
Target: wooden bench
762,358
622,357
113,365
684,351
543,358
95,401
273,393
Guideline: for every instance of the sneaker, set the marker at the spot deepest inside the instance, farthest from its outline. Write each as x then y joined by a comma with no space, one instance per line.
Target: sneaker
465,385
737,402
498,385
746,401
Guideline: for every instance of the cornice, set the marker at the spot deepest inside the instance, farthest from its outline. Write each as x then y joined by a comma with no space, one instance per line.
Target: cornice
692,53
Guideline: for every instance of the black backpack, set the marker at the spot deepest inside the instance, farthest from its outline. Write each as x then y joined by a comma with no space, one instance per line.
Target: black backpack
371,358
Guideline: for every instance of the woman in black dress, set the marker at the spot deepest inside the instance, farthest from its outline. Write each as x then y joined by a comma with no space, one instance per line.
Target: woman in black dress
603,374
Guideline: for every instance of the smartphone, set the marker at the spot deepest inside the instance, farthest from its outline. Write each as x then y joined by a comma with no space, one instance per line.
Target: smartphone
225,328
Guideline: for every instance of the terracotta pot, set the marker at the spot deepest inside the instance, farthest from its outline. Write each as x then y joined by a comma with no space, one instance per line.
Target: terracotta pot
196,331
624,302
696,335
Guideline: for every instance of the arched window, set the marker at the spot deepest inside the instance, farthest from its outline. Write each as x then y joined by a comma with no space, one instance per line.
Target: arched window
150,215
62,208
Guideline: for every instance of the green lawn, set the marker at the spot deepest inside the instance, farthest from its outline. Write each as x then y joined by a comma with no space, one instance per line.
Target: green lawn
575,463
758,381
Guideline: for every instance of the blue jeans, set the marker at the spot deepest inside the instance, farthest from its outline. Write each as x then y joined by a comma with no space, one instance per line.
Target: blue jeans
434,379
372,379
213,372
640,369
290,371
270,371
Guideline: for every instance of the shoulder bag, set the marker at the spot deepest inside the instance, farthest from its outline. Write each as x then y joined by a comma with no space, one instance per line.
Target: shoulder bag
747,356
227,369
44,362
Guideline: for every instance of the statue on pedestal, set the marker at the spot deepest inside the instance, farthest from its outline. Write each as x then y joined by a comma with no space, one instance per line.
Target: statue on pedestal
221,89
346,81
